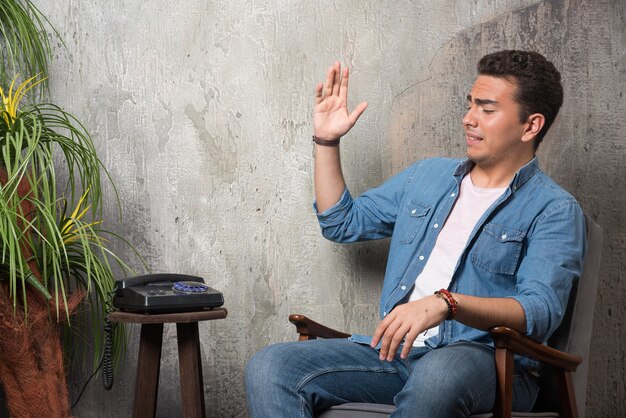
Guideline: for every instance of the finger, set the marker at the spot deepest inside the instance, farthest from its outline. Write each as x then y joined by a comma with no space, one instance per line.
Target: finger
318,93
387,341
330,79
337,78
343,85
395,341
357,112
409,339
380,330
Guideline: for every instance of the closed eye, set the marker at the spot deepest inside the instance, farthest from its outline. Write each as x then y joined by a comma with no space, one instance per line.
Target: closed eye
482,103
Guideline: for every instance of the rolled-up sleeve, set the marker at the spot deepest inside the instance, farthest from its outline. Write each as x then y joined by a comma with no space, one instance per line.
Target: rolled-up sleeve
336,214
553,261
370,216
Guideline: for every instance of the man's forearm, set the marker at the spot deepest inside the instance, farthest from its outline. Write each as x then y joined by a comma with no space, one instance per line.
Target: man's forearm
328,177
484,313
331,121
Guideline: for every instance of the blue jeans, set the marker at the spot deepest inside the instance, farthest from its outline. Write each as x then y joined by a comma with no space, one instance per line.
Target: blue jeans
299,379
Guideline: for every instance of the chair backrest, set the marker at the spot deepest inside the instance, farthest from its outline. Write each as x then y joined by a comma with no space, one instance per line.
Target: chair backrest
574,334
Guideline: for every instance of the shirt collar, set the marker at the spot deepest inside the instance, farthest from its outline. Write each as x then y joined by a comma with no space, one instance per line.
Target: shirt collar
522,176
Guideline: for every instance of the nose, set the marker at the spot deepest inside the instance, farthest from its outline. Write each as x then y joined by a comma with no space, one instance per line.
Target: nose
469,119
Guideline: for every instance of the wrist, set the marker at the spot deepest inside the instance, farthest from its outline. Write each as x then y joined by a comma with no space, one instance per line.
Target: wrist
444,306
326,142
450,301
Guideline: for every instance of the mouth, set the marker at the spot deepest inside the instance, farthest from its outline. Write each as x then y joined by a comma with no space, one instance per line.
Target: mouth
471,138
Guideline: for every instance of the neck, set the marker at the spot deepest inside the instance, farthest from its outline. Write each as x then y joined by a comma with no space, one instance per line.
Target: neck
496,176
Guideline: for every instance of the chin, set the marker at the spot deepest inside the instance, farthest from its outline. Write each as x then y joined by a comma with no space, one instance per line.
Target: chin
472,157
477,159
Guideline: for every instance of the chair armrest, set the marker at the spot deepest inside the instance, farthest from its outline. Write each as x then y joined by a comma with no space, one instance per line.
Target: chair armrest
504,337
310,330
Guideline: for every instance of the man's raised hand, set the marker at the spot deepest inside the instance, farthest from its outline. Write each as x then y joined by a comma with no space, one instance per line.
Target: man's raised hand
331,119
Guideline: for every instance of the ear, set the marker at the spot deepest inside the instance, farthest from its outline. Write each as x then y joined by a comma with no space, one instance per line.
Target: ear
534,123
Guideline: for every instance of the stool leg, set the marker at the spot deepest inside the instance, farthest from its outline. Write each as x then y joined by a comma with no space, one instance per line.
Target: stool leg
148,363
190,368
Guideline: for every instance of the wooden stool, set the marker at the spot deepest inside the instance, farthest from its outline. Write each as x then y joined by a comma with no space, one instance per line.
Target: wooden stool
149,359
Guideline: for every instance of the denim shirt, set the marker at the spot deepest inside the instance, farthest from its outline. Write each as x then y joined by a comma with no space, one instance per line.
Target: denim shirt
528,245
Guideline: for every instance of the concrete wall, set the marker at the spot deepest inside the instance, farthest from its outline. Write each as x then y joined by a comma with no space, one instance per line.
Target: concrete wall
201,111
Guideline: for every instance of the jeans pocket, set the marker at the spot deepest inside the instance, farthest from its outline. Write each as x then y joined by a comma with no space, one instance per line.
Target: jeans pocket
411,218
498,249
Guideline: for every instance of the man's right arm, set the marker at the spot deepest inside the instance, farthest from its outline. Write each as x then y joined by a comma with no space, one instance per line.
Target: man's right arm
331,121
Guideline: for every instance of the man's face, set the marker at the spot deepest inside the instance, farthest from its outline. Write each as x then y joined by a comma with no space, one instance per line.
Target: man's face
493,131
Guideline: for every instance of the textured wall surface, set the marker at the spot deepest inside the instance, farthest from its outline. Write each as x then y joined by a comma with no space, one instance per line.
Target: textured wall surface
201,111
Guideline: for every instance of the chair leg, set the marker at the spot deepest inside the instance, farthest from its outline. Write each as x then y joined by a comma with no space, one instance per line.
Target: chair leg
504,391
566,394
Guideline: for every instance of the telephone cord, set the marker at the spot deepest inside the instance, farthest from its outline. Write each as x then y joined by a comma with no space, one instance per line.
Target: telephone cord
106,362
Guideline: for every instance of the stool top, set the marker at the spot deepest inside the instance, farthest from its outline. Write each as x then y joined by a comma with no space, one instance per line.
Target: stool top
178,317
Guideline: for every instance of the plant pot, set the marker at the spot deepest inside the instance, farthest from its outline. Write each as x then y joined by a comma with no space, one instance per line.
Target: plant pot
32,370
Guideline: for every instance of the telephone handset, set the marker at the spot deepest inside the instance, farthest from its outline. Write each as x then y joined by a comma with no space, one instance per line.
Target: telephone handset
165,293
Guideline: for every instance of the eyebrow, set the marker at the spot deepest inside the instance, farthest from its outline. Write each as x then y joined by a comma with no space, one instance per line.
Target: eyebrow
481,102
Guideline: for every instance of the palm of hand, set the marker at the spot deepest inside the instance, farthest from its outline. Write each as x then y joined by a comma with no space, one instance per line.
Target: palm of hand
331,118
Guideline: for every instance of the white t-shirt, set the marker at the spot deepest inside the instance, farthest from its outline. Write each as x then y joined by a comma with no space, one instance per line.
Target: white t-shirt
470,206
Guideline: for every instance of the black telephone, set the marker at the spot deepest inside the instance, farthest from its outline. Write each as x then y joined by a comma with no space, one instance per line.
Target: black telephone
151,294
165,293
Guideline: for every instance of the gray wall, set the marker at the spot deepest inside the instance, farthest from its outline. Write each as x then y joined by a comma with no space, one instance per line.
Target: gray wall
201,111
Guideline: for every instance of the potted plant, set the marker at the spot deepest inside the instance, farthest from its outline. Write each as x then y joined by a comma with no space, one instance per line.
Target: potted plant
54,254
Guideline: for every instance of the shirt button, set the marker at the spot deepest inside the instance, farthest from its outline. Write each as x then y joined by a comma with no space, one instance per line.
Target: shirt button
504,236
413,212
453,194
384,313
436,226
421,257
403,287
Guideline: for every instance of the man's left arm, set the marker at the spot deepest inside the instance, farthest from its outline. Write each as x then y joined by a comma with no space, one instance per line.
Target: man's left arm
552,262
484,313
405,322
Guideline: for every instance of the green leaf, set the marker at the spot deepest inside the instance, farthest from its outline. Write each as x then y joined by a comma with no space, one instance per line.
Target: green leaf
32,280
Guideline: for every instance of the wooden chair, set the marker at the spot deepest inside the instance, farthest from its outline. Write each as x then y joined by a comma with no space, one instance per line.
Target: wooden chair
558,382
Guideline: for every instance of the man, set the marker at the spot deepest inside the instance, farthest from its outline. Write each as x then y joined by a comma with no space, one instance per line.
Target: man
486,241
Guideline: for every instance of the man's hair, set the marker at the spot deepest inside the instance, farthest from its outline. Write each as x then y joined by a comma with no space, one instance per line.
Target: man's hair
538,83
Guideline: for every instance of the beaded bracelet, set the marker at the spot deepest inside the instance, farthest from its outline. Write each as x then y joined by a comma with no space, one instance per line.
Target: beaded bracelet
450,301
326,142
441,296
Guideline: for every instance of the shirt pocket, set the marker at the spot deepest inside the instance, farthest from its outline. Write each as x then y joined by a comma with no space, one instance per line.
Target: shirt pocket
498,249
413,215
